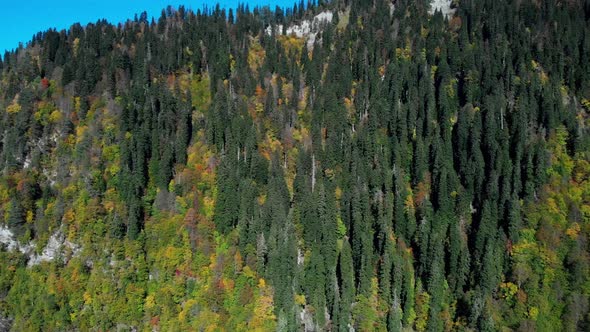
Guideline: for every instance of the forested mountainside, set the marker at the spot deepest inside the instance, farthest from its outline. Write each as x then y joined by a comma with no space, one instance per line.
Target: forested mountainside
341,166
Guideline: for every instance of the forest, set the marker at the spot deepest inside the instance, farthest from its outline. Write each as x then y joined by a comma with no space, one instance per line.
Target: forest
367,165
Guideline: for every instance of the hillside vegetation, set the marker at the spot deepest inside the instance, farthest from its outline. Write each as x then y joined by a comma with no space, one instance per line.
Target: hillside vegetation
344,165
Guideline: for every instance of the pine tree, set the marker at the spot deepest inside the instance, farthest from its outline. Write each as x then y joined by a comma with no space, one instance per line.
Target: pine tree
347,285
16,217
227,205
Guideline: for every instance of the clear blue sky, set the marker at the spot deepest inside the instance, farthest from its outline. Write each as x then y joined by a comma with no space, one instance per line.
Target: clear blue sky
21,19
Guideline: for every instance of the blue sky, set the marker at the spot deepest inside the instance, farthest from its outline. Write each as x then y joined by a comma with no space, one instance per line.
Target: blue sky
21,19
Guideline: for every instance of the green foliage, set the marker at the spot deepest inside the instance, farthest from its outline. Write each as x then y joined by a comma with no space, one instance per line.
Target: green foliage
406,171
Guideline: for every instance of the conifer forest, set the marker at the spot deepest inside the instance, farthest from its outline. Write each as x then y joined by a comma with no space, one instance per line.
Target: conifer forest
345,165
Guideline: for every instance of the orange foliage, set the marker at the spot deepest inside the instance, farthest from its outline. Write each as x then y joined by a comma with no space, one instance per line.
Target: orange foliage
170,80
455,23
422,190
521,296
381,70
21,185
155,321
238,261
44,83
260,93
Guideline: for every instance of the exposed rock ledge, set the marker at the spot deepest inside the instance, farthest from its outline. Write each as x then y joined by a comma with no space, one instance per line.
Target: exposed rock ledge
55,247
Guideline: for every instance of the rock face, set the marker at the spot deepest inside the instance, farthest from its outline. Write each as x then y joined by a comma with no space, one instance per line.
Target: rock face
443,6
5,323
307,29
56,246
306,318
7,238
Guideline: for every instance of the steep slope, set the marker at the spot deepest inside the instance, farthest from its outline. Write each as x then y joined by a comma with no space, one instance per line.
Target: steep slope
363,165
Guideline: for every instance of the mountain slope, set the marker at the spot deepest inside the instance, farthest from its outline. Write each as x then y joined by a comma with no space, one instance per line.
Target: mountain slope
388,169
